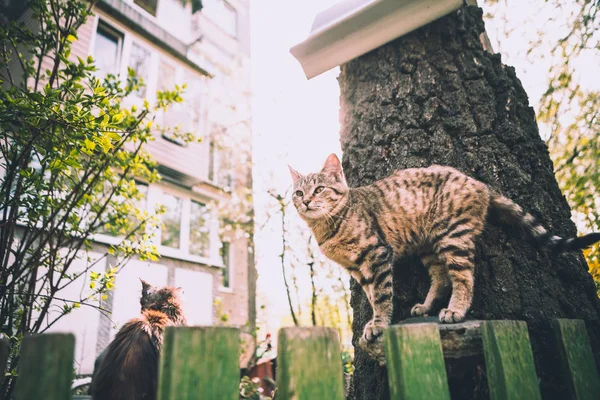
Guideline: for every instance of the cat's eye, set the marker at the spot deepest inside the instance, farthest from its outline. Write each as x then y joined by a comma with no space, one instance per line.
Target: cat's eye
319,189
299,193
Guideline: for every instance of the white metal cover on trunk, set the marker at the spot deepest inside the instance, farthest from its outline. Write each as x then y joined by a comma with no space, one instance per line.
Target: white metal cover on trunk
352,28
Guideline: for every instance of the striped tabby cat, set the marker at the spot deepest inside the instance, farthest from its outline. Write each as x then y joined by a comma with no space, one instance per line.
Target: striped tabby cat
435,212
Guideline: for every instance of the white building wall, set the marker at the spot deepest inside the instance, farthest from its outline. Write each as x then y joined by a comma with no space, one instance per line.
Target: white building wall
175,18
197,295
128,290
83,322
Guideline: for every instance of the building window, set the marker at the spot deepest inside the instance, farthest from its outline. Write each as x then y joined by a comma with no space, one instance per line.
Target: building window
226,271
200,228
222,14
188,229
171,221
166,77
220,167
193,99
166,82
139,61
148,5
107,50
140,204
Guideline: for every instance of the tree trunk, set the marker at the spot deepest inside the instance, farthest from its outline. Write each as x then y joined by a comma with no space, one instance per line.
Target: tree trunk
435,96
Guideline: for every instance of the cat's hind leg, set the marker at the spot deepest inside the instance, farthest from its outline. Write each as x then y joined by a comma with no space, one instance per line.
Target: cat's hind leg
440,284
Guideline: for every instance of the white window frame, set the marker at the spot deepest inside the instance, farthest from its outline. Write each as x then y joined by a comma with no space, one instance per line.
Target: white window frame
120,45
152,78
143,10
126,44
118,239
178,79
154,196
231,268
153,199
201,111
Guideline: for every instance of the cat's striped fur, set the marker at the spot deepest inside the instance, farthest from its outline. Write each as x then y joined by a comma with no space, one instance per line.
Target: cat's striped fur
435,212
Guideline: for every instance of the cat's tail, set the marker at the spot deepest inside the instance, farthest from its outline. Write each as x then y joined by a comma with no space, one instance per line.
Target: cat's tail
508,212
129,367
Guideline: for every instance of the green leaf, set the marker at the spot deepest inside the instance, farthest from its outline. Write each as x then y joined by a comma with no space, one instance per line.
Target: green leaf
104,142
117,118
105,121
89,145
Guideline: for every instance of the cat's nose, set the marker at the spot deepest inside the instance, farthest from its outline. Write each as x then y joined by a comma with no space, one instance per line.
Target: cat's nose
306,202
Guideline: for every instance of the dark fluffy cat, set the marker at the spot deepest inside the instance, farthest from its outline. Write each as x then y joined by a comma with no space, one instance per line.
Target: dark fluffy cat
128,368
435,212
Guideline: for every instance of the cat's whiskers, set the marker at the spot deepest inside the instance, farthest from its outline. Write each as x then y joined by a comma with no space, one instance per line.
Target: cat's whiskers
328,215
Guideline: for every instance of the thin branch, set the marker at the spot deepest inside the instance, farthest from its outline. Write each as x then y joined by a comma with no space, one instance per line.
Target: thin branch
282,207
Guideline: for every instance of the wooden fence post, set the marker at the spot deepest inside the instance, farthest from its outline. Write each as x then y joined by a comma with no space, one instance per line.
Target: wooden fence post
45,367
200,363
577,359
309,364
509,361
415,362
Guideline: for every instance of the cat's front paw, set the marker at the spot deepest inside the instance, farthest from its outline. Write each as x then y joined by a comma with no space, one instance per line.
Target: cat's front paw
373,330
419,310
451,316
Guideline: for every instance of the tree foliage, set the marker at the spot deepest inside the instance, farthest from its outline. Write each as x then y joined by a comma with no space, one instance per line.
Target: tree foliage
568,35
70,154
312,282
571,109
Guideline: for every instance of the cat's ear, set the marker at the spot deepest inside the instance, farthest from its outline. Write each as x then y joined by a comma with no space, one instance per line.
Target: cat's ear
178,290
295,174
333,167
146,287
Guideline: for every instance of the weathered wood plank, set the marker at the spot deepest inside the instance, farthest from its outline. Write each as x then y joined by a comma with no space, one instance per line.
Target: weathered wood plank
509,361
458,340
577,359
309,364
199,362
415,362
461,340
46,367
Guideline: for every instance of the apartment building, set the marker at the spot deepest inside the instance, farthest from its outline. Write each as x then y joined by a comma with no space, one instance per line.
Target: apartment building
204,44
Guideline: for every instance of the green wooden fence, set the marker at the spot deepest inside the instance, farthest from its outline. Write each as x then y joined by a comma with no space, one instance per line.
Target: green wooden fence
202,363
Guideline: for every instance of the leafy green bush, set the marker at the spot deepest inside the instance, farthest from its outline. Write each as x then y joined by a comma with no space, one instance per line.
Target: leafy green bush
70,155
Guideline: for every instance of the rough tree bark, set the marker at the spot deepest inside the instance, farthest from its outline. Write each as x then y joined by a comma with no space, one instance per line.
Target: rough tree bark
436,97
